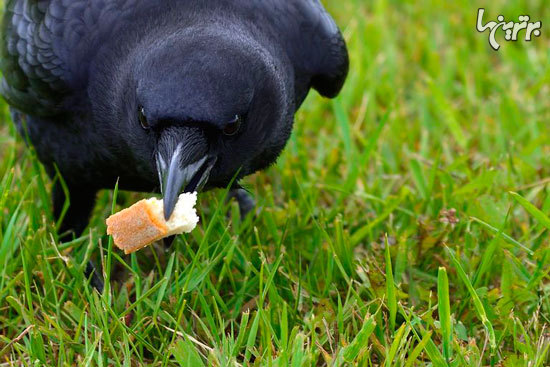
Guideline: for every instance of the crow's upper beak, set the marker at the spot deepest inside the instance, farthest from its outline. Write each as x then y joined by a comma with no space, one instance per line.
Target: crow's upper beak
177,175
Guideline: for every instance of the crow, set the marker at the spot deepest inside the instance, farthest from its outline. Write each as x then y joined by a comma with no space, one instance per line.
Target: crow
169,95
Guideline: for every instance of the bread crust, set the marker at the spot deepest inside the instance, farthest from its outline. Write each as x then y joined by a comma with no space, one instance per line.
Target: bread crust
136,227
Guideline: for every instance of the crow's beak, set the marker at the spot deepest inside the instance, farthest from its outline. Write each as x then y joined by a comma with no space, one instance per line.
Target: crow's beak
176,175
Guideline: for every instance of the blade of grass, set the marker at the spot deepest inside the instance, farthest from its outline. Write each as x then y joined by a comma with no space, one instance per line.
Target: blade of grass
418,349
475,298
395,344
390,287
504,235
531,209
108,262
252,337
431,349
444,310
360,343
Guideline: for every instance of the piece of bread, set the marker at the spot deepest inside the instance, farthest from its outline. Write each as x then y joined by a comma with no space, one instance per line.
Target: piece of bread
143,223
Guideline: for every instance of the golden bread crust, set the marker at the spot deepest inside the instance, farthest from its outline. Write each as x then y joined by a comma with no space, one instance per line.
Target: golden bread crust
135,227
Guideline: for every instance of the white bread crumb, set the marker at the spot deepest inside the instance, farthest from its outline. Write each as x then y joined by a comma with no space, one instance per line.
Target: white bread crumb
184,219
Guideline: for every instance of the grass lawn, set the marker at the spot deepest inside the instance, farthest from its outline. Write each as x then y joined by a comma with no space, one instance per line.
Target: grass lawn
406,224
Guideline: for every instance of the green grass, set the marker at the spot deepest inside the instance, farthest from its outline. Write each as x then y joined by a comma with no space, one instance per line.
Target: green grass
356,257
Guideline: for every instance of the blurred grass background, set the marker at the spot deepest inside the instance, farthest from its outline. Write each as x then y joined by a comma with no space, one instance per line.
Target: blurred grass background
389,231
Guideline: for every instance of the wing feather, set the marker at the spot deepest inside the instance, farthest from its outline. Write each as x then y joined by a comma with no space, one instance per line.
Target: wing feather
314,42
47,47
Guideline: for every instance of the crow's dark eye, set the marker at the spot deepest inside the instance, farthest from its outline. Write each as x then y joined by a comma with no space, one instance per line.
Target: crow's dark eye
143,119
233,126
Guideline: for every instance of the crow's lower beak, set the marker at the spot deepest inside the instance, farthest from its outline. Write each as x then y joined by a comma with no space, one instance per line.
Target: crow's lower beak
176,175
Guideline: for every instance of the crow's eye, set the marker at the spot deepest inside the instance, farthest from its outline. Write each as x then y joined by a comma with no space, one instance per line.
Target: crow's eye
233,126
143,119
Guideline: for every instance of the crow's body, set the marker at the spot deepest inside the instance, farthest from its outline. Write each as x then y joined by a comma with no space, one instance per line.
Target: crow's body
76,73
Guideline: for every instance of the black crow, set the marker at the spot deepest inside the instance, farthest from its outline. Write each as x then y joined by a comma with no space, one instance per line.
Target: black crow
166,95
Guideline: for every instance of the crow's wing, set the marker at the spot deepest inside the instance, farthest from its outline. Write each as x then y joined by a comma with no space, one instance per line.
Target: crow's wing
32,73
313,41
46,47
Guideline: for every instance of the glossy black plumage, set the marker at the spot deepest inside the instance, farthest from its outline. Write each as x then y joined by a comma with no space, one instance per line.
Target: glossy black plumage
76,72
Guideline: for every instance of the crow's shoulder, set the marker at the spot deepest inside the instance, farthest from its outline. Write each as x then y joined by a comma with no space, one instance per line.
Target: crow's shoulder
313,40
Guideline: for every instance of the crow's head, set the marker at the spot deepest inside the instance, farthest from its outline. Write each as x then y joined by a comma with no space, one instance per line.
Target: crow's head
201,109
